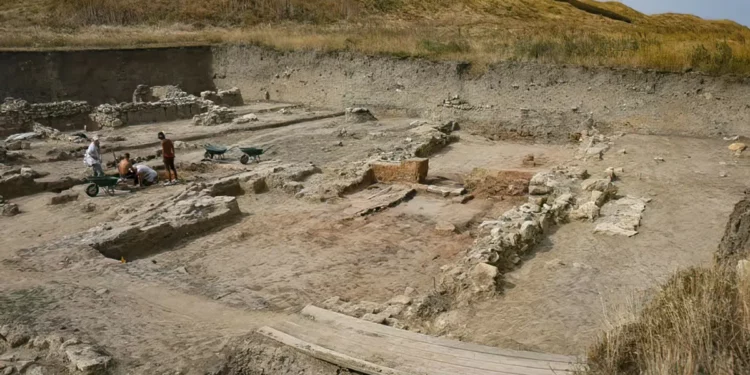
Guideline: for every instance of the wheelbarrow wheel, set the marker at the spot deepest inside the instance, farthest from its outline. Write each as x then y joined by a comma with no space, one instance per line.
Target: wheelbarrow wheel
207,155
245,159
92,190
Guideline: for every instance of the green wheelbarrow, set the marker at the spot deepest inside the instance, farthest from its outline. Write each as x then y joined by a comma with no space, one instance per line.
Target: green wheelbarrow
252,152
106,183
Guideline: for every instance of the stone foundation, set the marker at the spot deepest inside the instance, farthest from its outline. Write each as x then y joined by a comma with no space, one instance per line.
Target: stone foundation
107,115
412,171
18,116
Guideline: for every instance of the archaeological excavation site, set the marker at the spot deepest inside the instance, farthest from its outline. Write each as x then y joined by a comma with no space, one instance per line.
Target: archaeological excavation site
343,213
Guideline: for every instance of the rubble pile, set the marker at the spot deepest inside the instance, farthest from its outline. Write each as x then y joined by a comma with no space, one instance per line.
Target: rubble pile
25,352
7,208
145,93
456,102
215,115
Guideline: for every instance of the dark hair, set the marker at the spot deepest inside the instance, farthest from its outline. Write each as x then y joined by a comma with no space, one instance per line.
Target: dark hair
127,155
161,135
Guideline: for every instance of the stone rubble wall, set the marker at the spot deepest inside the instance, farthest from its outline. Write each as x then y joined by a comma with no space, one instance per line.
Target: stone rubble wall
108,115
18,116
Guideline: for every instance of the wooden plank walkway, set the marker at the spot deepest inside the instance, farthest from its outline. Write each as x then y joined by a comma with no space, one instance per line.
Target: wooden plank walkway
381,350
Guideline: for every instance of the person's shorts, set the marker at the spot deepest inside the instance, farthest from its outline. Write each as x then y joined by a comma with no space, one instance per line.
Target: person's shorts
148,183
169,163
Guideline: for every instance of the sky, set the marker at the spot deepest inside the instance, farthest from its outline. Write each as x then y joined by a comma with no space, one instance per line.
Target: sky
736,10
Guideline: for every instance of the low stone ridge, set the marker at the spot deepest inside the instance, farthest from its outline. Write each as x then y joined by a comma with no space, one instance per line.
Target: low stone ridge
189,213
411,170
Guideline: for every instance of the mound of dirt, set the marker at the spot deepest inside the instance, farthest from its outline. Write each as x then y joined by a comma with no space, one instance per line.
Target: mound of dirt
483,183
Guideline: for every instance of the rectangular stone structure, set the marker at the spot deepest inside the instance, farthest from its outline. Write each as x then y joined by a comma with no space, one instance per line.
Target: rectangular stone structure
411,170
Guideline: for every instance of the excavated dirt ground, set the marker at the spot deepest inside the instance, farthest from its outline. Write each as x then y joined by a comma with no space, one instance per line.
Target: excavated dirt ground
178,310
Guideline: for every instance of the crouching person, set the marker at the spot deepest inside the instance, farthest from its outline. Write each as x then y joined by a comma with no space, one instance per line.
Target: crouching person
146,175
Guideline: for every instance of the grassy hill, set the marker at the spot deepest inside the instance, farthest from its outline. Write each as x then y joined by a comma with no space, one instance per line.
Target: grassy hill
581,32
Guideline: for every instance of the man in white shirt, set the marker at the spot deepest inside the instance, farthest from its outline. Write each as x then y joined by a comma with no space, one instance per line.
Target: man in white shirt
146,175
93,157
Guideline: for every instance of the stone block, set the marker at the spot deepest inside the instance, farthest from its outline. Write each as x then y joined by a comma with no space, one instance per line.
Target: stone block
412,170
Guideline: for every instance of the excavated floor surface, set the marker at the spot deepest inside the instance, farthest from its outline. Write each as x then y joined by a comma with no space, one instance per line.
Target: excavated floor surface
178,310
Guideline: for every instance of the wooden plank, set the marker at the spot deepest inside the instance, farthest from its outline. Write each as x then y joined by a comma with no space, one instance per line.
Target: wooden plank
399,357
433,352
331,317
328,355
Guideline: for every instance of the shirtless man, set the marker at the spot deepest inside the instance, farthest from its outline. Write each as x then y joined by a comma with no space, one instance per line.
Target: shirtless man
167,153
126,169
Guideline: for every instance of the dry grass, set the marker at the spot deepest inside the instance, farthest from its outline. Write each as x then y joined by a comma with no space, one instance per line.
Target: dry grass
699,323
479,31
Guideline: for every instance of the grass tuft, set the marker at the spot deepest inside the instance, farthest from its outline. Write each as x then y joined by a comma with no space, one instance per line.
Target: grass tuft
699,323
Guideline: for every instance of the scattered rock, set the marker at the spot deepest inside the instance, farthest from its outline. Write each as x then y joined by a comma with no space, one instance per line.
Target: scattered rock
659,159
445,227
358,115
87,359
483,277
246,118
400,300
463,199
8,370
613,230
723,174
62,198
182,270
587,211
738,146
622,152
102,291
88,207
10,209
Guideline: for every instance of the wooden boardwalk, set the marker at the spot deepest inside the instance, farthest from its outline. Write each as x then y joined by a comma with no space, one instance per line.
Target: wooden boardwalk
381,350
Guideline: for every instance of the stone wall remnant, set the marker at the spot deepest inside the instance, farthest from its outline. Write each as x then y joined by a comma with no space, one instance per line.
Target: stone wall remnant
411,170
18,116
112,116
225,98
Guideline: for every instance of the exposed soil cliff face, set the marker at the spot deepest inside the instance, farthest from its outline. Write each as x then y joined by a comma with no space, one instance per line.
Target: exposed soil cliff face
735,244
508,100
102,76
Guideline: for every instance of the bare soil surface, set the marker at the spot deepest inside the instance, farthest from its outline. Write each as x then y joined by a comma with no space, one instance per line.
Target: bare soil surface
176,311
